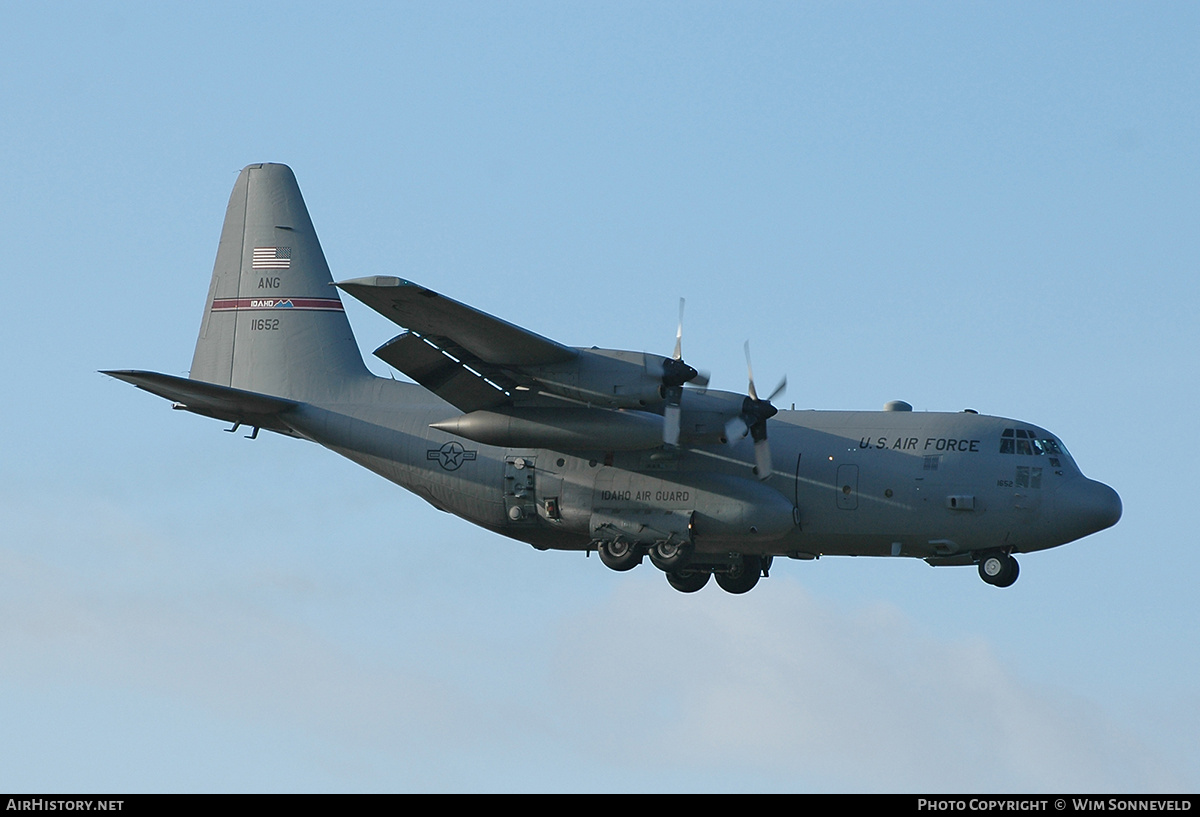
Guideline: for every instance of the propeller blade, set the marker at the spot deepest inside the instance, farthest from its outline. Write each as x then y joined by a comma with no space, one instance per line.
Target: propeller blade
762,458
750,373
778,389
671,425
676,374
753,419
675,371
701,379
679,333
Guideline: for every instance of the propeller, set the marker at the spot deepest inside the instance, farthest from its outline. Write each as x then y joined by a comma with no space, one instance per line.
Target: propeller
675,374
753,420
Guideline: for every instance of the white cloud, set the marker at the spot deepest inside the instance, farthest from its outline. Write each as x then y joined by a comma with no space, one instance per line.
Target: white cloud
788,686
636,688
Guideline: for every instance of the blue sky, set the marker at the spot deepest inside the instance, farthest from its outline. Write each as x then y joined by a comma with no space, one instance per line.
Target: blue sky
956,204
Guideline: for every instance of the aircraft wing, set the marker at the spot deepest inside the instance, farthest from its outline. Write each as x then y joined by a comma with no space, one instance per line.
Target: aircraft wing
487,338
469,358
234,405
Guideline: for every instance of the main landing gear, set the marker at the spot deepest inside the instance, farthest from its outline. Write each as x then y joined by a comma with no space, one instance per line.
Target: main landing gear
620,555
999,569
738,579
669,556
685,571
688,581
739,574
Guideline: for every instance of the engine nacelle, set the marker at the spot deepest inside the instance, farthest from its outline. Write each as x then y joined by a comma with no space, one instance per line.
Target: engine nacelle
605,377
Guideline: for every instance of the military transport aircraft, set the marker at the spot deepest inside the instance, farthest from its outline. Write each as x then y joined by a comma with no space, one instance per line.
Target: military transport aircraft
624,453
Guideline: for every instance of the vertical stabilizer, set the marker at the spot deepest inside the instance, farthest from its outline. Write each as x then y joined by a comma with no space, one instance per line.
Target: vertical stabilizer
274,323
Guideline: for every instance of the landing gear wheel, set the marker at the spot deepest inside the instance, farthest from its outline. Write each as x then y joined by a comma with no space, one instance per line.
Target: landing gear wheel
620,555
670,556
743,577
688,581
1010,573
999,569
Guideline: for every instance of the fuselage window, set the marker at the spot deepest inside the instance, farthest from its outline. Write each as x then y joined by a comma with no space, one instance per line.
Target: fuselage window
1029,477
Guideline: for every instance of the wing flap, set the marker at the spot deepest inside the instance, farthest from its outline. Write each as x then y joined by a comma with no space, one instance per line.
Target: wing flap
449,378
425,312
220,402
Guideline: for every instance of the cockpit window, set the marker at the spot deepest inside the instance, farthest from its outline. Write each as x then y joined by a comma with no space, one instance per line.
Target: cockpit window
1029,443
1007,446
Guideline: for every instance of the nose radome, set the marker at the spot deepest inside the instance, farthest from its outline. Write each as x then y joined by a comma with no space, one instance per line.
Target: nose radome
1088,506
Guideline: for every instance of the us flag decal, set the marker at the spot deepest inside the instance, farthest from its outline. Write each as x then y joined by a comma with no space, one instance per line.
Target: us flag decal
271,258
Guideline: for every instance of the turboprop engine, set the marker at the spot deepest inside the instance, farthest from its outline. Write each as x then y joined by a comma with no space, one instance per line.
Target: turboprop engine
583,428
606,377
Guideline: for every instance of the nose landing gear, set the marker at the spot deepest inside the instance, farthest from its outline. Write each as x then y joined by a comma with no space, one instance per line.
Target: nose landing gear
998,569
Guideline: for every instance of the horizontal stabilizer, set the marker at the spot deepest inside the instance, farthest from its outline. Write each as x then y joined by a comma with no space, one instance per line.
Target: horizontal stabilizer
220,402
424,311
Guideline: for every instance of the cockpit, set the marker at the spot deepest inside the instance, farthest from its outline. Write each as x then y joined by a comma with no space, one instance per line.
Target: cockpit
1032,443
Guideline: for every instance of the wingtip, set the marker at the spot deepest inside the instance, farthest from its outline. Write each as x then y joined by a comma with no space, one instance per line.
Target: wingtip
373,281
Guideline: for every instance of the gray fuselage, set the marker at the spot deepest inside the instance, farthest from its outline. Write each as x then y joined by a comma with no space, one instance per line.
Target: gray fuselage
923,484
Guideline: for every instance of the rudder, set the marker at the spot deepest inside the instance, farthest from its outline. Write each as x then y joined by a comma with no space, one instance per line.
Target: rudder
273,322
